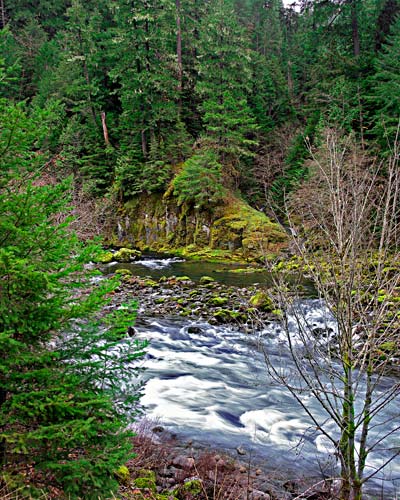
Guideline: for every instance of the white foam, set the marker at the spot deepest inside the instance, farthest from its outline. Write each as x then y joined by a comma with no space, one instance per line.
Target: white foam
158,263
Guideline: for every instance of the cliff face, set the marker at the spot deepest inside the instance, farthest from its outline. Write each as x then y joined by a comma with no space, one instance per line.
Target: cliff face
235,230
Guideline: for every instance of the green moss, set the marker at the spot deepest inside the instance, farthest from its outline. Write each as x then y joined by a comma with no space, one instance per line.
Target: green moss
105,258
217,301
151,283
126,255
233,231
262,302
182,278
124,272
388,347
146,480
227,316
192,487
206,279
122,474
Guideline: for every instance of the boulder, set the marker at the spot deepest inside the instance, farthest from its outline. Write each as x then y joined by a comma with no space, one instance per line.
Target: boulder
126,255
262,302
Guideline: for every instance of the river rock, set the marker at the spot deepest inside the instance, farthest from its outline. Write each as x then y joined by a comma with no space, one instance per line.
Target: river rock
126,255
206,279
194,329
262,301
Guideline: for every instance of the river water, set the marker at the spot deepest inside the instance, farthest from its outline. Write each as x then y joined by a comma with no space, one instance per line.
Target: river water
210,383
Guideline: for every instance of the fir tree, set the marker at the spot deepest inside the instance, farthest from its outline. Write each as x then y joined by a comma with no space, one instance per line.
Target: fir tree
60,397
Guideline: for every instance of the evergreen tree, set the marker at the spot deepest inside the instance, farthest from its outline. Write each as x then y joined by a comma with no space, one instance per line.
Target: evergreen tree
60,421
224,82
384,95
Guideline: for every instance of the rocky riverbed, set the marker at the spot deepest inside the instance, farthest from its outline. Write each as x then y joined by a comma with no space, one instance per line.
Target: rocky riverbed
207,300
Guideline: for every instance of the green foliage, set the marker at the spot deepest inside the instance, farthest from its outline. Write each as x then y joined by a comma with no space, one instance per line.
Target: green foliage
199,181
132,177
62,375
385,90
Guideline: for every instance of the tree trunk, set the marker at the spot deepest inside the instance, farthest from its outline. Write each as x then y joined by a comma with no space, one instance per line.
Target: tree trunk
3,397
144,143
179,49
2,14
354,27
105,130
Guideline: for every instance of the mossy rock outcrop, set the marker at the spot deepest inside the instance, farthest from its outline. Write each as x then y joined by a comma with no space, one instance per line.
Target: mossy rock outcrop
232,231
126,255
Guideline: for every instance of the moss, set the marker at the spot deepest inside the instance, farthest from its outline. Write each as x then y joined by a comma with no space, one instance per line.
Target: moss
246,270
122,474
206,279
105,258
192,487
218,301
126,255
124,272
227,316
146,480
233,231
182,278
262,302
388,347
151,283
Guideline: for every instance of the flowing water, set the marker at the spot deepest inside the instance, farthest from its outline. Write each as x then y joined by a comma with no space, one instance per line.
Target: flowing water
210,383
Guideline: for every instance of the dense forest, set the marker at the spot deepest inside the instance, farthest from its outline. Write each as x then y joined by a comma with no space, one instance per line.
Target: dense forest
138,94
104,101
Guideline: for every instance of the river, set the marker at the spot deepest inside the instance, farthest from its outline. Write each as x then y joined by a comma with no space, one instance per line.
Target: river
210,383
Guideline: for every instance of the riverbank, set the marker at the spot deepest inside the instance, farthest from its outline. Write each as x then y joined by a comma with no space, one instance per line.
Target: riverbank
166,468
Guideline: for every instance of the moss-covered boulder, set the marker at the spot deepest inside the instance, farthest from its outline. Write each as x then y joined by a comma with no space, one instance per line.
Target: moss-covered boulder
206,279
126,255
182,279
105,258
262,302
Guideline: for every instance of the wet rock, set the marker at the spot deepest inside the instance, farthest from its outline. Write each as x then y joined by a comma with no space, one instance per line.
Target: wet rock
131,331
194,330
158,429
124,272
241,451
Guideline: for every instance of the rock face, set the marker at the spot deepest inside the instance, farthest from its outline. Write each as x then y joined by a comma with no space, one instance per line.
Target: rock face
153,222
